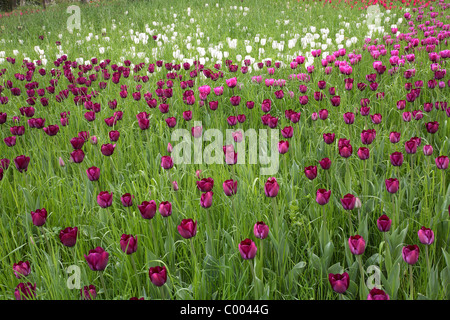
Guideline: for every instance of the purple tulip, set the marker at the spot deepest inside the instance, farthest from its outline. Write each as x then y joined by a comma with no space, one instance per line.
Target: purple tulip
248,249
97,259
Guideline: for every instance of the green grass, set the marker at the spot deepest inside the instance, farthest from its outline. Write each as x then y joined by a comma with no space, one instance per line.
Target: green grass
299,253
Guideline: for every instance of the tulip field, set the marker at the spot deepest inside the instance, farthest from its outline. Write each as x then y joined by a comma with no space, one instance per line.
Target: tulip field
225,150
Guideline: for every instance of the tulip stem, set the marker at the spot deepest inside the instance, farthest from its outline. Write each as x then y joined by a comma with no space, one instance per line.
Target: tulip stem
411,285
275,213
394,211
412,182
236,221
46,240
428,260
262,259
136,272
155,243
361,268
442,183
103,284
255,286
194,282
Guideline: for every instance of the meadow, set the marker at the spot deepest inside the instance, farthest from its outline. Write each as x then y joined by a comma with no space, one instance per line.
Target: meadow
348,102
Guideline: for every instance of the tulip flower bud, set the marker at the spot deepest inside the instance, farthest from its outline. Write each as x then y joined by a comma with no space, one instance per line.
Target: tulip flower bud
357,245
158,275
248,249
261,230
426,236
61,162
21,269
410,254
128,243
339,282
187,228
88,292
377,294
97,259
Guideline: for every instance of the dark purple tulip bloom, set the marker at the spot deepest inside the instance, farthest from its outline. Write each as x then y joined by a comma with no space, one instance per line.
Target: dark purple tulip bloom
187,228
77,156
261,230
128,243
21,163
97,259
426,236
348,202
127,200
248,249
392,185
356,244
147,209
410,254
68,236
39,217
384,223
108,149
339,282
93,173
377,294
230,187
88,292
104,199
158,275
21,269
25,291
